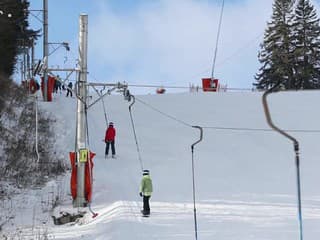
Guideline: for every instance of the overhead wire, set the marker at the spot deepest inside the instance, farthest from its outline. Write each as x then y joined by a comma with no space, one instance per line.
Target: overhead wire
239,50
165,114
223,128
217,41
262,129
185,87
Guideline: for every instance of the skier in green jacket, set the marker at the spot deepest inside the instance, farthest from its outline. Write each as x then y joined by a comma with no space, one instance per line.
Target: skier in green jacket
146,191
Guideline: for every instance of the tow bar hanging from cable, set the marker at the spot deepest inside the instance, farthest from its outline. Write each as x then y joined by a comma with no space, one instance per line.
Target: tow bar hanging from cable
275,88
193,183
134,130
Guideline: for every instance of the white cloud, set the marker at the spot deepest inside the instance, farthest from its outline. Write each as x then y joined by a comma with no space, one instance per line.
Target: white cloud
172,42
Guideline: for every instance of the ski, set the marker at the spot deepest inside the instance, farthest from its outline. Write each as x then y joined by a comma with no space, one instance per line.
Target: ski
145,215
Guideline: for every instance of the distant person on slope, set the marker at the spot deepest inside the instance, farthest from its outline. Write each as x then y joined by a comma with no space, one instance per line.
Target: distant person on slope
146,191
69,89
58,84
109,140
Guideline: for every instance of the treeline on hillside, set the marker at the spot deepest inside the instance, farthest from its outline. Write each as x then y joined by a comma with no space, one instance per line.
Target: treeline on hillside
19,163
290,52
13,32
18,159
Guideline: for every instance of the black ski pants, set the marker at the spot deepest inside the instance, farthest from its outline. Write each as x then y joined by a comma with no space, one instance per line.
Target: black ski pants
146,205
108,143
69,92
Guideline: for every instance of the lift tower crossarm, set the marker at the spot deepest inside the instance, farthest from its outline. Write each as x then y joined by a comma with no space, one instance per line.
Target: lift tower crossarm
114,85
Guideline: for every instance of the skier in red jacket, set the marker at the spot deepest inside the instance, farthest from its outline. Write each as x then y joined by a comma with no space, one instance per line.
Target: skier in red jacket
109,140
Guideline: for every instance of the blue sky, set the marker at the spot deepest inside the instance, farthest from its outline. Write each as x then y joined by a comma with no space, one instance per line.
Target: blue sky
160,42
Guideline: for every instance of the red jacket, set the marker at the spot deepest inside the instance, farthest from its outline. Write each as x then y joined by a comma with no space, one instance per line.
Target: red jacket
110,134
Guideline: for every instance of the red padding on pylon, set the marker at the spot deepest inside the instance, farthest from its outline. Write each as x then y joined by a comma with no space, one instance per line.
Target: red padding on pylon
73,181
32,86
89,177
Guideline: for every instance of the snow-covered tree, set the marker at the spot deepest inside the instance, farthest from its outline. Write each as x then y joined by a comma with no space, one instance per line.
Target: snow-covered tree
13,23
307,46
276,54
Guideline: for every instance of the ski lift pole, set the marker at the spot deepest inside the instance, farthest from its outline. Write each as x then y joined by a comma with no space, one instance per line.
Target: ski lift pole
193,183
134,131
296,149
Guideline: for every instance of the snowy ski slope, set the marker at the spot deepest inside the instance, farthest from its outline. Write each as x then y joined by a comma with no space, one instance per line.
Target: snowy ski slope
245,174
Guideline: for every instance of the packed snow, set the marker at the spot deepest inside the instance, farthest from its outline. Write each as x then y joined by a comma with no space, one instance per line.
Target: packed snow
245,174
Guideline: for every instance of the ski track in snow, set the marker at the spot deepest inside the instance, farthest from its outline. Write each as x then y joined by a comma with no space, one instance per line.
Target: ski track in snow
270,216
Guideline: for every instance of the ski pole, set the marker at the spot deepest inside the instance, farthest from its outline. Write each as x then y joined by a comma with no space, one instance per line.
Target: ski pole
193,183
296,149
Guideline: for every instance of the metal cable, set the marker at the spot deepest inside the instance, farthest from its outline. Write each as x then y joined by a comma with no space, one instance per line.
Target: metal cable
217,41
262,129
165,114
225,128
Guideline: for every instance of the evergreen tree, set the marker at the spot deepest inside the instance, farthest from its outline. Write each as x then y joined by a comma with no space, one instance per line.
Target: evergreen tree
13,25
276,55
307,46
